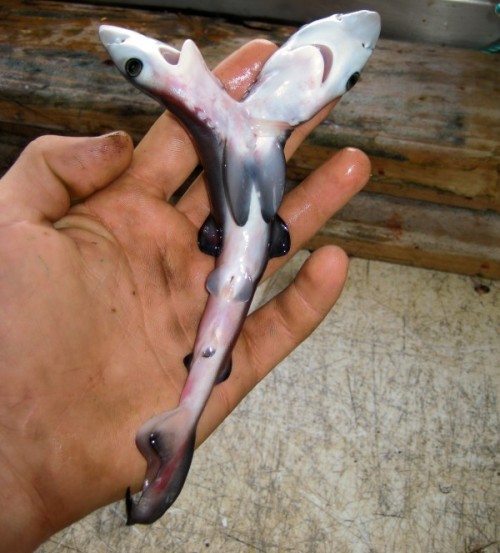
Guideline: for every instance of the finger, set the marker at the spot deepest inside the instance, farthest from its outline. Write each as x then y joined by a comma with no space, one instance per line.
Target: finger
324,192
53,170
278,327
166,156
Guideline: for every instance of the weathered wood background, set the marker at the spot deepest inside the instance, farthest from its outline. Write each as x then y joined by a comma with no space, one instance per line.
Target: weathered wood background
427,116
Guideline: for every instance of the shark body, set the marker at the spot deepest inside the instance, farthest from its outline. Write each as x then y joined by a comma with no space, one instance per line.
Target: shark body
240,145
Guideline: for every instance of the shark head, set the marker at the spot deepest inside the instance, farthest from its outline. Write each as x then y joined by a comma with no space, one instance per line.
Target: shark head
345,41
319,63
156,68
141,59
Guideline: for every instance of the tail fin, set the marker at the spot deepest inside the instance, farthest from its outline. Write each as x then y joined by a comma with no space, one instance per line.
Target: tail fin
167,442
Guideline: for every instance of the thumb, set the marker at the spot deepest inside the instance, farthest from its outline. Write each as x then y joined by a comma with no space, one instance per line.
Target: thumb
53,170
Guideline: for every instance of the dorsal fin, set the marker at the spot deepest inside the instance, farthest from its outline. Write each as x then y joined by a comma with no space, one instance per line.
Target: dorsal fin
270,176
244,171
237,182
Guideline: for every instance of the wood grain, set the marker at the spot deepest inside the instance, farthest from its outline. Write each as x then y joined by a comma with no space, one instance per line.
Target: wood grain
427,116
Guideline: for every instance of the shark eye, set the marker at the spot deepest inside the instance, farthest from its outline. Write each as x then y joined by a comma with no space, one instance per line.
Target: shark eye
352,80
133,67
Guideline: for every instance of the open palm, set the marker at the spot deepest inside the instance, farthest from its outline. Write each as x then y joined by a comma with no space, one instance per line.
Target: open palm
102,287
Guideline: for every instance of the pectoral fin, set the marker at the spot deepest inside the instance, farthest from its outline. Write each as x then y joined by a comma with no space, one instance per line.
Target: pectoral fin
210,237
279,243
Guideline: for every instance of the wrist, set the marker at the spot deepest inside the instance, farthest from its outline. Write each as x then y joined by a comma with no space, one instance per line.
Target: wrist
23,527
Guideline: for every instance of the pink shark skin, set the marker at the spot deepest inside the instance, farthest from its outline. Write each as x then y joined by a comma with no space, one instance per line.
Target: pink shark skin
240,145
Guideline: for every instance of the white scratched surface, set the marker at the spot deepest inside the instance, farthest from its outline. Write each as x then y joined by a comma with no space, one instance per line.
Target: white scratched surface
380,434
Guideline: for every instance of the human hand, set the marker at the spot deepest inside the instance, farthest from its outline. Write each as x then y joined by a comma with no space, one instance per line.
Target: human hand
101,299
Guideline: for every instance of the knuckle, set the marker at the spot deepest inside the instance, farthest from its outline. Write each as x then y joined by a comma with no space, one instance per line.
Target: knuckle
39,147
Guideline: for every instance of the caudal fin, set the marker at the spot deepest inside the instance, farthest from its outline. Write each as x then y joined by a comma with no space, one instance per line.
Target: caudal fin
167,442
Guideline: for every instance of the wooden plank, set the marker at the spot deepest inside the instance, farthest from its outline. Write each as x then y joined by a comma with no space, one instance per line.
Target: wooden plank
426,116
433,236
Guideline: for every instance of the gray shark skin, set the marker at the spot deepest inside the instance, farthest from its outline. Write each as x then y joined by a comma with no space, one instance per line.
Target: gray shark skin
240,145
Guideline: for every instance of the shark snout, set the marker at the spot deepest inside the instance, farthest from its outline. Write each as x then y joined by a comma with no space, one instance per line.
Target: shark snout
111,35
364,25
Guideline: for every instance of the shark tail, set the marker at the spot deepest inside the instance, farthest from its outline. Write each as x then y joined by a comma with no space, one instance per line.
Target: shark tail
167,442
